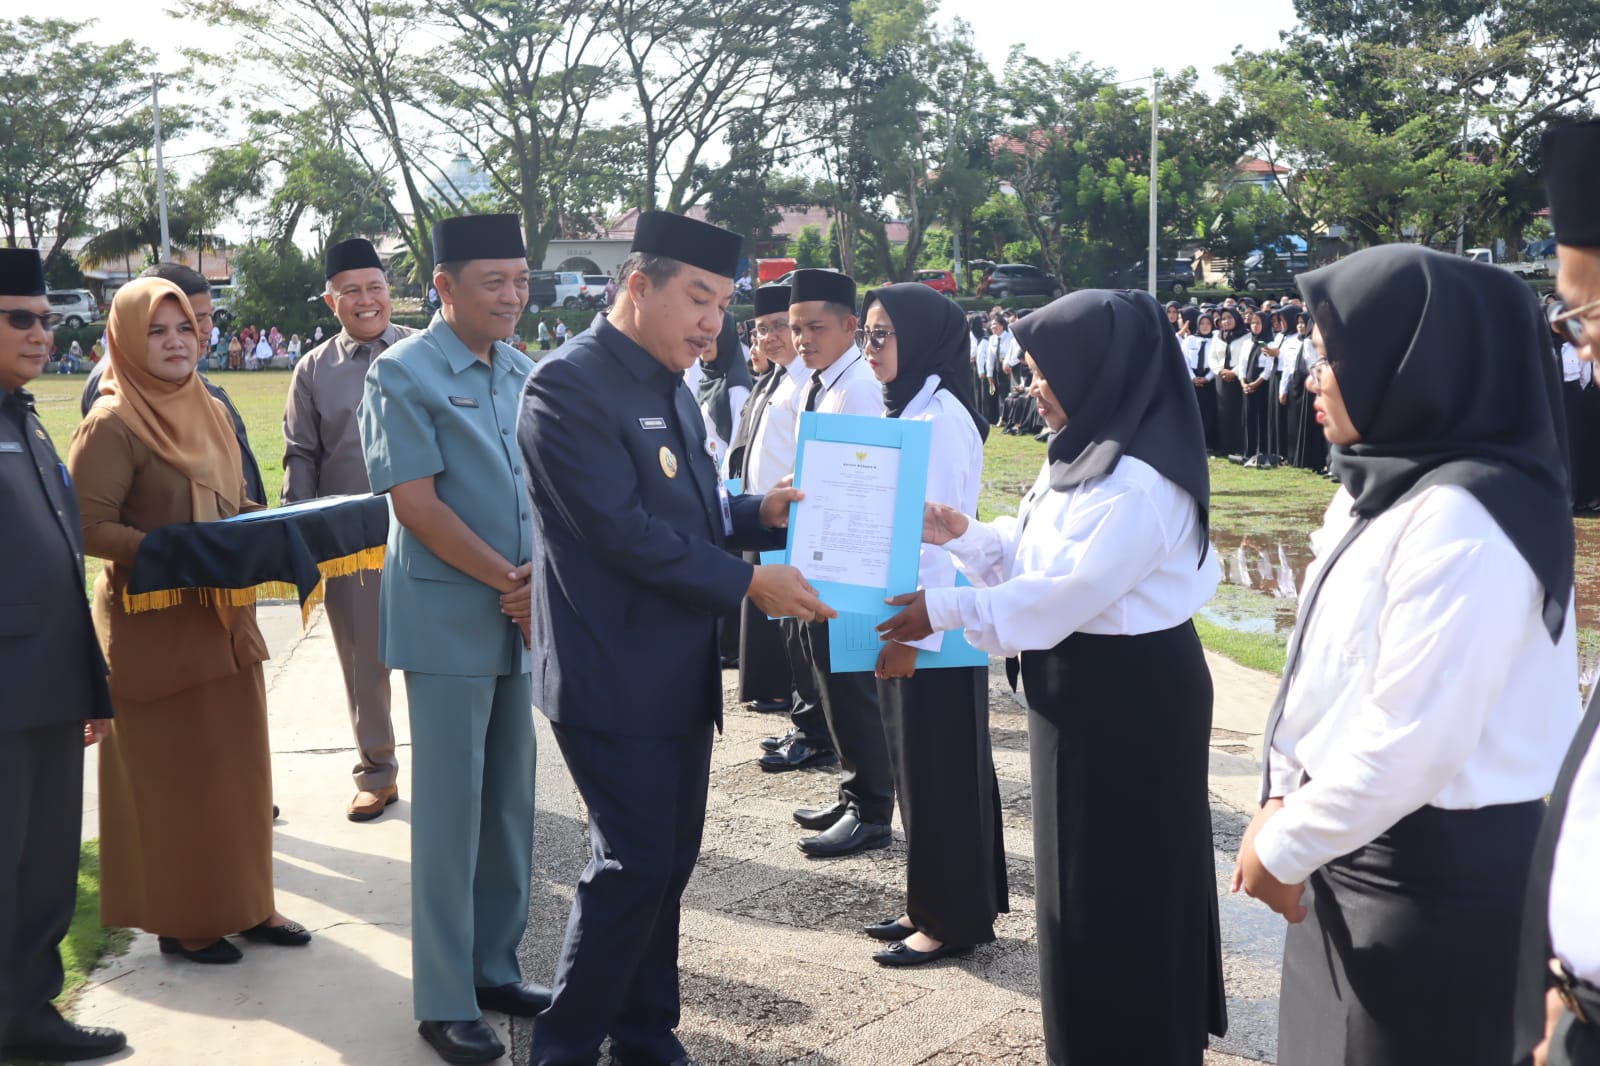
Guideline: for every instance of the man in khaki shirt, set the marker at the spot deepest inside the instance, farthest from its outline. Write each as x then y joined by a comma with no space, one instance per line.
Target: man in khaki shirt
323,457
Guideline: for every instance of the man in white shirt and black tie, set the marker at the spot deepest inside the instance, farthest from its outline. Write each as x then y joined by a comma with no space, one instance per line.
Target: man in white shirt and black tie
1561,929
822,317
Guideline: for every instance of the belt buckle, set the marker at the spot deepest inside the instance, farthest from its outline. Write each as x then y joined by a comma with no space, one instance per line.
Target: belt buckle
1565,984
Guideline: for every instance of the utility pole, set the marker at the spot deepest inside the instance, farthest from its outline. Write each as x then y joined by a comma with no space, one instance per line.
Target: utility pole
161,172
1155,107
1461,215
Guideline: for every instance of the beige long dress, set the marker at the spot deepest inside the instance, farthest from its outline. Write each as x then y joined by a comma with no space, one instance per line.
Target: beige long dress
186,775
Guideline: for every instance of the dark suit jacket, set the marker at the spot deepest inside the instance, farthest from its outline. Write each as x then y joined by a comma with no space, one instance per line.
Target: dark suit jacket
630,571
51,670
254,487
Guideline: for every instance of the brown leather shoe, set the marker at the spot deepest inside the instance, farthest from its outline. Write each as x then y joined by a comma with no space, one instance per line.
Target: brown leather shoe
368,805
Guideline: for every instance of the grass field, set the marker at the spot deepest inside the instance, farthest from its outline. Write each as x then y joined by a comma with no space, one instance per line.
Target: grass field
1268,505
87,942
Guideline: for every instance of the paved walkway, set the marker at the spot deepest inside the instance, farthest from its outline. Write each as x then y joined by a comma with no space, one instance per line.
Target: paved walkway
774,971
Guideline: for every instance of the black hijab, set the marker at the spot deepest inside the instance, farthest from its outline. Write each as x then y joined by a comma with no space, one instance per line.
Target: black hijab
1120,376
1238,329
931,340
1445,368
725,373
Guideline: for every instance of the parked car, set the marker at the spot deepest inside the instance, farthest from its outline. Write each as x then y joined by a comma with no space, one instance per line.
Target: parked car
1172,275
222,301
77,306
1278,272
939,281
1018,279
541,290
1532,268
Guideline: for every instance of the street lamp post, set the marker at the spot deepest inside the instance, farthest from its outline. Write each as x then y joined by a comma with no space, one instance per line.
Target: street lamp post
161,173
1155,147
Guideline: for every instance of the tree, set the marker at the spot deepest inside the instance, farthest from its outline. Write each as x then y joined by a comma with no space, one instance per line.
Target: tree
806,249
71,113
278,286
134,235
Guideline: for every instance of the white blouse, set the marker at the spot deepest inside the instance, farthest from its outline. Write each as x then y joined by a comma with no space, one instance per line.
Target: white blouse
771,455
1426,677
1217,353
955,474
1195,356
1116,555
1574,901
1289,352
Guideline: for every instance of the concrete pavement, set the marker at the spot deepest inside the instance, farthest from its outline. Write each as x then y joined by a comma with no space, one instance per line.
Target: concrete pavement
774,970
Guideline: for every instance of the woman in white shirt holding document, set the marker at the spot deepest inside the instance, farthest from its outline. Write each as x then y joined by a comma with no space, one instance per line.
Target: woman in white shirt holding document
936,722
1431,685
1094,585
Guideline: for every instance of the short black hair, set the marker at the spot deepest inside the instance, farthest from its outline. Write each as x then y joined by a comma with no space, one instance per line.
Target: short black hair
189,280
453,268
660,269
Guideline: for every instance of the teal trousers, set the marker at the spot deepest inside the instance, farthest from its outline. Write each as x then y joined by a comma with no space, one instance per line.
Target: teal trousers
472,764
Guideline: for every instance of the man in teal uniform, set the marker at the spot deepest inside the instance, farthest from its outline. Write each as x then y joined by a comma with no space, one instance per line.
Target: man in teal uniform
438,428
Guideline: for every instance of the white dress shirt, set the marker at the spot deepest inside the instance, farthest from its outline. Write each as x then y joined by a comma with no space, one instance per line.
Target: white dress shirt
771,456
1196,356
1574,896
955,474
848,388
1289,352
1216,353
994,352
1116,555
1426,677
1571,365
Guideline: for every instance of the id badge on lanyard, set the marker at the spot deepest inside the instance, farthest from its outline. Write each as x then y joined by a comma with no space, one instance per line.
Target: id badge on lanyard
723,499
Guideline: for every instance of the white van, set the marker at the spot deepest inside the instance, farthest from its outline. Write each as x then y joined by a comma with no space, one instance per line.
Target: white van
76,306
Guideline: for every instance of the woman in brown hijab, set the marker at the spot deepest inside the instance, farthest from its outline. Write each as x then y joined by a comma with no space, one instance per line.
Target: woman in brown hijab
185,780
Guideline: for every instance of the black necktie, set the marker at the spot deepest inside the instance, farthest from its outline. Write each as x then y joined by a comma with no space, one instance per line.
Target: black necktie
814,390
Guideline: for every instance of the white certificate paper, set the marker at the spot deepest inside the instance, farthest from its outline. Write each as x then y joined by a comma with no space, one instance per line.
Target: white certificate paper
844,528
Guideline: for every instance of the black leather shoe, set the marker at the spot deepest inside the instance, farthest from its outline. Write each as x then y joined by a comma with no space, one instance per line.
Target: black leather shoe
624,1057
217,953
888,929
274,812
778,743
49,1037
523,999
848,836
772,706
897,954
463,1042
818,819
287,935
799,754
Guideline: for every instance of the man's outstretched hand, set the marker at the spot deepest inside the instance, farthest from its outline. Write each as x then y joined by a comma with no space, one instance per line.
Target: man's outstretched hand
782,592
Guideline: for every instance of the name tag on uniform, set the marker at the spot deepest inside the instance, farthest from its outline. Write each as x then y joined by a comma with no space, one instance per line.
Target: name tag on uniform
652,423
463,401
11,446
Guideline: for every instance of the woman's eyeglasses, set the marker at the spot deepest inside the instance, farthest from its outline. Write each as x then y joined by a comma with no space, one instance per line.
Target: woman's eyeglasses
22,321
764,331
1569,322
877,338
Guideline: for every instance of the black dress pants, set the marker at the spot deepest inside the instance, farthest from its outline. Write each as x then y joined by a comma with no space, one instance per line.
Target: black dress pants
850,705
41,819
806,715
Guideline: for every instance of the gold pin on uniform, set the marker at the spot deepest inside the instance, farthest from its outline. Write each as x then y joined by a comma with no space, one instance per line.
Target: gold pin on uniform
669,462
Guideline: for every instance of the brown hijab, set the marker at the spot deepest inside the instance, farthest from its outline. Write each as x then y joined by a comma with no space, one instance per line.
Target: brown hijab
178,421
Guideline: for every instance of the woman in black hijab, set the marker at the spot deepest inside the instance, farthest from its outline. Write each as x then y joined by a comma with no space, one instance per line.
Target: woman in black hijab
1259,402
721,380
1094,586
1302,437
936,722
1196,353
1227,361
1431,685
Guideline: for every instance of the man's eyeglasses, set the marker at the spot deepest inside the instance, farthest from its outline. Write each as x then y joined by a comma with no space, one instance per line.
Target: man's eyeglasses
1569,322
764,331
877,338
22,321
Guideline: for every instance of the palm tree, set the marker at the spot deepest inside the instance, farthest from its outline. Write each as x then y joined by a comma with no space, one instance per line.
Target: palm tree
138,223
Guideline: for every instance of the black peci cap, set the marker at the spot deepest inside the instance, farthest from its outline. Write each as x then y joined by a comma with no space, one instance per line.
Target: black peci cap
770,299
688,240
357,253
1571,175
464,237
830,285
21,272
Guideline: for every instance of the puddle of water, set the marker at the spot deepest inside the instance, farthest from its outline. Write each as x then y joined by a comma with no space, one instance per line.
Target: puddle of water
1262,579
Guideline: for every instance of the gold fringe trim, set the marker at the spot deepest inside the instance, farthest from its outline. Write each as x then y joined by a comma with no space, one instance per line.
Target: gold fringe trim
358,563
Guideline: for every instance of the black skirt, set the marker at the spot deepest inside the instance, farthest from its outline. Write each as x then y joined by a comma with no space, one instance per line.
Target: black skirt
1206,396
936,723
764,672
1130,950
1230,417
1409,954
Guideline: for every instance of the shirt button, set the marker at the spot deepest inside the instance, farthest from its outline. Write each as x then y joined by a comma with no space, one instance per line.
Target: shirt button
505,432
524,516
516,470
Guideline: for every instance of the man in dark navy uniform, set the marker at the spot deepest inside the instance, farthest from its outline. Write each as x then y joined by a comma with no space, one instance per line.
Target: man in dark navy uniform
53,699
630,579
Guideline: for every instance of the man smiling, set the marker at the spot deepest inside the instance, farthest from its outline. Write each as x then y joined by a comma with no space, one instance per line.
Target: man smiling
322,457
